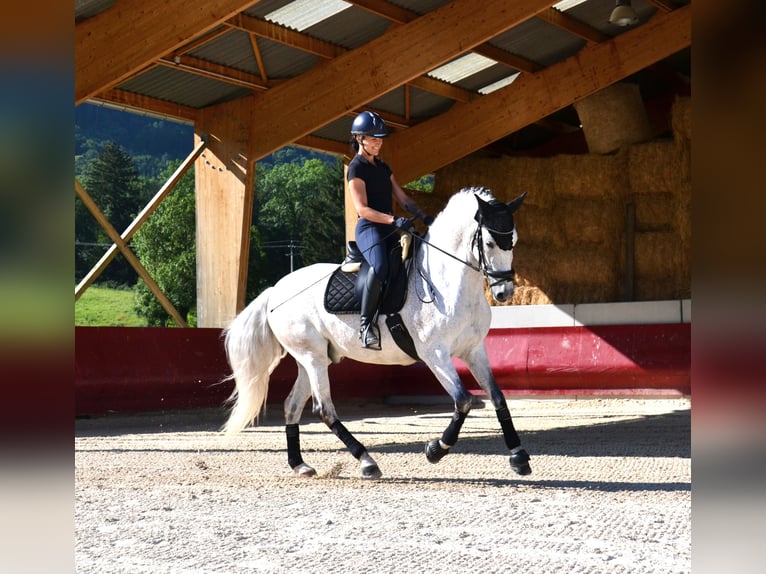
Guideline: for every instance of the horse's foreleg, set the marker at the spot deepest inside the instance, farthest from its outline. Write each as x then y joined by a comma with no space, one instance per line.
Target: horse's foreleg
436,449
478,363
294,404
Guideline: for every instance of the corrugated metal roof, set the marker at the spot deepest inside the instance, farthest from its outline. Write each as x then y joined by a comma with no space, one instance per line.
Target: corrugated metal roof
539,42
232,49
180,87
535,40
350,29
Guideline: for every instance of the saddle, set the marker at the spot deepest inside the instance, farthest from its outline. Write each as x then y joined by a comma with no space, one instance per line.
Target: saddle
343,294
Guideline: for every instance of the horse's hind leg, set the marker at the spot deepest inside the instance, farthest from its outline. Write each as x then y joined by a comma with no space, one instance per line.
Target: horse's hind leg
294,404
478,363
323,406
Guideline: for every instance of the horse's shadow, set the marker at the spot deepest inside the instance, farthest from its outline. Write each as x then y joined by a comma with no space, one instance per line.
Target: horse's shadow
667,435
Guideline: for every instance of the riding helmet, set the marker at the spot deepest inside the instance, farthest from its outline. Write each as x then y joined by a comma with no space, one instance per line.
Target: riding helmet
369,124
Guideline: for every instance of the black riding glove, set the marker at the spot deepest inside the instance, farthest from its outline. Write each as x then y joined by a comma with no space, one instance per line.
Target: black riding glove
403,223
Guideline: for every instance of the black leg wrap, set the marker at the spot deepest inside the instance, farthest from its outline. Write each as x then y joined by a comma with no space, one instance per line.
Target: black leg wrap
510,435
294,457
453,429
353,445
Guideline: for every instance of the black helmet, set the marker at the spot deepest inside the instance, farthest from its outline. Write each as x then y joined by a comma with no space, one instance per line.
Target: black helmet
369,124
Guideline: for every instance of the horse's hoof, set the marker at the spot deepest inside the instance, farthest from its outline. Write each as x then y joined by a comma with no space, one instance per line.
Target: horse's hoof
434,451
371,471
304,471
520,462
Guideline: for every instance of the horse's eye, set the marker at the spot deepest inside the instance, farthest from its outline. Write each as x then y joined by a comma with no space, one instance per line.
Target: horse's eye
490,244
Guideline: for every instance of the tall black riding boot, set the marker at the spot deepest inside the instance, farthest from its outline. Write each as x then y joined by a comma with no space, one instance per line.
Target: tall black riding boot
368,327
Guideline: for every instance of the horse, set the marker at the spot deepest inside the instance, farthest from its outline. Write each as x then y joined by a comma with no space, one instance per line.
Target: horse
446,312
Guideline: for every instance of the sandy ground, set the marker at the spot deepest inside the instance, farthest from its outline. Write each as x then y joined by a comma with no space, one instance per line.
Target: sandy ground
610,492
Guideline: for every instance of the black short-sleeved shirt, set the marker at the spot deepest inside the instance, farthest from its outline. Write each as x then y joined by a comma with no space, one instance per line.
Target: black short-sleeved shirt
377,180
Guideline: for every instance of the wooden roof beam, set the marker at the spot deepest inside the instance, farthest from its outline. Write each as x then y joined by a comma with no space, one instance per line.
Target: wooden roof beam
283,114
215,72
328,51
399,15
125,38
468,127
138,103
566,22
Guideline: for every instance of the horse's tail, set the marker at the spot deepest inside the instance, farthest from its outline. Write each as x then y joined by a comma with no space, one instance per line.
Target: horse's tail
253,353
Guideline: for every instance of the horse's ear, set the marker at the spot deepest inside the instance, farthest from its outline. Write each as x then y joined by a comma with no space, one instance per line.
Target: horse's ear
483,205
516,203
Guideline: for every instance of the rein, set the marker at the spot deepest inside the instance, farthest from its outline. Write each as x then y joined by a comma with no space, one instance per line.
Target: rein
499,276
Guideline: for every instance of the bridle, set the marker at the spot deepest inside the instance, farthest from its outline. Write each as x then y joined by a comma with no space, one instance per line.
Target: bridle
489,274
478,241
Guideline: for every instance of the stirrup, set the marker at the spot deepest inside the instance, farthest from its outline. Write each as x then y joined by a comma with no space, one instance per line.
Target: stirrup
370,336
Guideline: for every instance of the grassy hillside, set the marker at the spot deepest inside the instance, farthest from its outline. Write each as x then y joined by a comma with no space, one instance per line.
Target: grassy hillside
104,307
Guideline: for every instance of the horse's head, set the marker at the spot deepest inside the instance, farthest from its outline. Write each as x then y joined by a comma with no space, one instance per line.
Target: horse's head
494,240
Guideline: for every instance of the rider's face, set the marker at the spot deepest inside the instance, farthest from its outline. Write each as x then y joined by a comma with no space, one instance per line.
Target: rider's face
371,144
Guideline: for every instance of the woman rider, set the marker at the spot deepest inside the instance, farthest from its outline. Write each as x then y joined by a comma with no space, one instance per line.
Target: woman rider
372,186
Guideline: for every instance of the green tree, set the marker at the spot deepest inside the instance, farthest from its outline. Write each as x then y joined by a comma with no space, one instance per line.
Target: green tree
113,183
302,205
165,245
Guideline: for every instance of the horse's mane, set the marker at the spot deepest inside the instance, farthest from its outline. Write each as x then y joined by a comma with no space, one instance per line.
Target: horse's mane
463,203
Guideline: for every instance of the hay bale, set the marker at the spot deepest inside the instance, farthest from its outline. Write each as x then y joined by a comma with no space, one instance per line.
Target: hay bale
530,295
681,119
585,221
614,117
533,175
592,176
538,226
655,167
581,264
659,265
656,212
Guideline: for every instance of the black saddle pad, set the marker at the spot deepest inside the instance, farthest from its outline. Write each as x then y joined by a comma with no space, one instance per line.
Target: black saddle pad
340,295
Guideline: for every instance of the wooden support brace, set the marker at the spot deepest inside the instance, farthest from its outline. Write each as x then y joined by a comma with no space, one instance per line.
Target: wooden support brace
128,254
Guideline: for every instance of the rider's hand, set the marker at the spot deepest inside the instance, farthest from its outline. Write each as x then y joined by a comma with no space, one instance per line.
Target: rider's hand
403,223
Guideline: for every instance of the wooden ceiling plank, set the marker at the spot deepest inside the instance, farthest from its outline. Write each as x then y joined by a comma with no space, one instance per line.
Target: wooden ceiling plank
284,114
466,128
121,40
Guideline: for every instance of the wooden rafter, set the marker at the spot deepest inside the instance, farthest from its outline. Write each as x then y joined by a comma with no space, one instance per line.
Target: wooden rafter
468,127
566,22
125,38
215,72
283,114
329,51
398,16
139,102
258,57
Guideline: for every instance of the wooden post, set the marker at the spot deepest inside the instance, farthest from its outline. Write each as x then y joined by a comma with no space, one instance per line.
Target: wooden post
224,181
